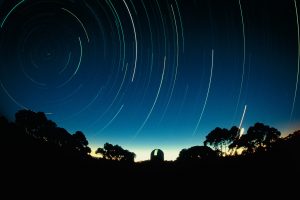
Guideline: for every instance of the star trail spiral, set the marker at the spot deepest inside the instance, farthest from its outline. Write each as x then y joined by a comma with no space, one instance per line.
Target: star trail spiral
151,74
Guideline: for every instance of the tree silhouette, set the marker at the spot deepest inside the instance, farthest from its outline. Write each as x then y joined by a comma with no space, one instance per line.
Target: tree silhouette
81,143
197,153
259,137
289,145
241,143
115,152
38,126
41,144
4,129
233,134
215,138
220,138
35,124
3,123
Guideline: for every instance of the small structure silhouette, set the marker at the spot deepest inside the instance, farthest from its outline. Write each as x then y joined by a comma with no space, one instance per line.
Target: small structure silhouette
157,155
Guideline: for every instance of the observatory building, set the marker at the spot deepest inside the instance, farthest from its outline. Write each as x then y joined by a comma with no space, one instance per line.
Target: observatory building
157,155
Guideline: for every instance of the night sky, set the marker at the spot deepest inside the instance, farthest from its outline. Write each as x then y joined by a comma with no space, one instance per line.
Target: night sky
149,74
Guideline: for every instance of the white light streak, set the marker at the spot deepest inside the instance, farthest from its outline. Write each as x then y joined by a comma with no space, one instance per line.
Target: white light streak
207,94
77,68
242,119
89,104
118,93
242,131
157,95
5,18
135,38
66,65
180,20
87,36
177,63
31,79
297,79
244,57
80,58
112,119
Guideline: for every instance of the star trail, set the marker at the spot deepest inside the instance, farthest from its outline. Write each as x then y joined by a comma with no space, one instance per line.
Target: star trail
151,74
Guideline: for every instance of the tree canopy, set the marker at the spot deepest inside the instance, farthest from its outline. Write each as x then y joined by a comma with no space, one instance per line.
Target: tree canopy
38,126
197,153
115,152
220,138
33,127
259,137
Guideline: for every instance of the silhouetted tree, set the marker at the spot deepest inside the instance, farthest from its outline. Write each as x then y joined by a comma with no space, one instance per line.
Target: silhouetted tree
4,130
38,126
288,145
46,131
294,136
215,138
115,152
62,137
233,134
3,123
243,144
259,137
40,142
220,139
35,124
197,153
81,143
128,156
263,135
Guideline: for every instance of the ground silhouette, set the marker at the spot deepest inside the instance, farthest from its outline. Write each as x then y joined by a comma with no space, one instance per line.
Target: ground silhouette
35,148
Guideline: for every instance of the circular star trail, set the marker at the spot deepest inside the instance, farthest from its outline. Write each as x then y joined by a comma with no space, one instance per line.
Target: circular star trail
161,72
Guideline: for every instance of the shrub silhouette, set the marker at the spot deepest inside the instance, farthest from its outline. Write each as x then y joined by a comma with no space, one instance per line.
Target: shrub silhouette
203,153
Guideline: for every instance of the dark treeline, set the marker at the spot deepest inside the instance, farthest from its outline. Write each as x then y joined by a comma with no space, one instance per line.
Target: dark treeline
34,146
32,134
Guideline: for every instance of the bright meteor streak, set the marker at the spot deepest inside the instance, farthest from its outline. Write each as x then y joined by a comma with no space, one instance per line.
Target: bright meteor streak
210,78
242,119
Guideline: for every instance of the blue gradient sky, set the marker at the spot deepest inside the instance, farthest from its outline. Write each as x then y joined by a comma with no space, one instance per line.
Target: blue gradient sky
137,73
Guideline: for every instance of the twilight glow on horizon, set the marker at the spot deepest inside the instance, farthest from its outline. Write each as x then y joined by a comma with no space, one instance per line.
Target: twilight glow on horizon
149,74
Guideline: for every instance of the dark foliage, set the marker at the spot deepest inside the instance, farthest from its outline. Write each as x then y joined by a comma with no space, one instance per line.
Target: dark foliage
33,134
115,152
195,153
34,149
259,137
220,138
